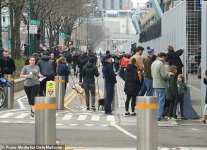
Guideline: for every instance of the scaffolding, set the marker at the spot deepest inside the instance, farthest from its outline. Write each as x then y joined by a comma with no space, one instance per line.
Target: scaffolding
193,33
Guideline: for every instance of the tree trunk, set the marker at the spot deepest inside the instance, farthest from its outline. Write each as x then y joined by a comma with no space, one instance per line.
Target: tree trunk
42,29
12,31
17,35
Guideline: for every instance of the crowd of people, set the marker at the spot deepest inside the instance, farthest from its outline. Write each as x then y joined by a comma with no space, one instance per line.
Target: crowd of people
159,75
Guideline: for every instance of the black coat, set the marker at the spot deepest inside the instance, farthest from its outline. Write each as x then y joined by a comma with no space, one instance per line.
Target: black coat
132,83
89,71
7,66
173,58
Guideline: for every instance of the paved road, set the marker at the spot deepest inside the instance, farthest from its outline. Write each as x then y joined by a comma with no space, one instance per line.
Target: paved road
77,127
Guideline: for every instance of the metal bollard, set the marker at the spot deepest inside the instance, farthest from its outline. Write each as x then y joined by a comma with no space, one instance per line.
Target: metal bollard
60,91
45,121
9,101
115,99
146,123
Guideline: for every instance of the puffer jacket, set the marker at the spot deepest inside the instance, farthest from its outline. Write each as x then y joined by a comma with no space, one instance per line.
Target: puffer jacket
132,83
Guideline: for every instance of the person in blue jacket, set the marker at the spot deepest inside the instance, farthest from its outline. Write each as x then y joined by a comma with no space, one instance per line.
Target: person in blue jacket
110,81
63,69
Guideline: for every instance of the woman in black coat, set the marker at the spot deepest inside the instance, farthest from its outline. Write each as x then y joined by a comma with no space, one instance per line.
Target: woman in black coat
132,86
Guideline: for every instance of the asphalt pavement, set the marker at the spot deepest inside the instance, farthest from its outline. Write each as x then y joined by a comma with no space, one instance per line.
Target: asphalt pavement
80,129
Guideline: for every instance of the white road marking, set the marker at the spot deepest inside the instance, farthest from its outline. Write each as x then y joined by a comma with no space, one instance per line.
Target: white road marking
95,118
6,115
82,117
110,118
4,121
67,117
124,131
73,124
89,125
21,104
22,115
194,129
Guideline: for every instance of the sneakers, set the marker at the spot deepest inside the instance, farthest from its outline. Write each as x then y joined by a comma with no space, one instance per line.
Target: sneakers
94,108
87,108
127,113
133,114
204,121
32,114
183,118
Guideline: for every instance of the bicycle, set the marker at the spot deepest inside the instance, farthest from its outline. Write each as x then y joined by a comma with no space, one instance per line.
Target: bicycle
3,83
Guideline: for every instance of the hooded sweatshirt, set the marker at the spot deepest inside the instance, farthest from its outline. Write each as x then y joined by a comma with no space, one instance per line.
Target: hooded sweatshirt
46,66
89,71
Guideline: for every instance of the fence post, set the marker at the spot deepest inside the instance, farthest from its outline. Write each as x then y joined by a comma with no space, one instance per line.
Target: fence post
146,123
60,91
9,101
115,99
45,121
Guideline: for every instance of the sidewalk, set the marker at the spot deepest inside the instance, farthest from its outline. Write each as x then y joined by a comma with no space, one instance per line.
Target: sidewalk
196,103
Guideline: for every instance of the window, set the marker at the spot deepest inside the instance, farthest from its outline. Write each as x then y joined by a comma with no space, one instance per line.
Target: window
104,4
120,4
112,4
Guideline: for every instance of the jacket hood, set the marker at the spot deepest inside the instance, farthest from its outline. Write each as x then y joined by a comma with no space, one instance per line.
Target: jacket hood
131,67
45,58
90,66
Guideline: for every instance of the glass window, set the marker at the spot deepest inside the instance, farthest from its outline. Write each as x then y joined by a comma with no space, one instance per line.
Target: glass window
104,4
120,4
112,4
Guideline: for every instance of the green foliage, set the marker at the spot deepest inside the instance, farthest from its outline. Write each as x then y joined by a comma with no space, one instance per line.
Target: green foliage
19,65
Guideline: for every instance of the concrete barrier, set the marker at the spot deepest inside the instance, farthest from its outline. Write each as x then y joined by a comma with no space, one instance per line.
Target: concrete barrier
18,84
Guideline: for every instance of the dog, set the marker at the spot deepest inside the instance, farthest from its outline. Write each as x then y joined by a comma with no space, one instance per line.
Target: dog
100,98
99,95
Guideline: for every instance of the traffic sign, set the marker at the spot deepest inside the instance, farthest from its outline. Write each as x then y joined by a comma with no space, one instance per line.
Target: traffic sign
50,89
149,5
33,29
34,22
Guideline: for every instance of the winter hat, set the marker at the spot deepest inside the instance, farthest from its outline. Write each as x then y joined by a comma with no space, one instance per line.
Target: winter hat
150,51
91,60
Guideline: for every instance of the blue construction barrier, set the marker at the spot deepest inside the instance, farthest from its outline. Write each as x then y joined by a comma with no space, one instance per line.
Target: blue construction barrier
188,109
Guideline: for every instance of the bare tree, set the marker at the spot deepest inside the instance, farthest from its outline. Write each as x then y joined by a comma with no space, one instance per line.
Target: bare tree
15,8
96,34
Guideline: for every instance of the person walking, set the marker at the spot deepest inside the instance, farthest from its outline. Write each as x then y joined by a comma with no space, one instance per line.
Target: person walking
173,58
160,81
31,73
132,86
83,61
147,84
7,64
47,70
90,71
110,81
63,69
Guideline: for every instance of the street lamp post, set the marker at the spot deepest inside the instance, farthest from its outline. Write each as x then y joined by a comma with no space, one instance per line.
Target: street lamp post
31,17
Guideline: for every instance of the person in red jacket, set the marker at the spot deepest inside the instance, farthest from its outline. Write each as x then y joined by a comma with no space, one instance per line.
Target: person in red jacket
123,64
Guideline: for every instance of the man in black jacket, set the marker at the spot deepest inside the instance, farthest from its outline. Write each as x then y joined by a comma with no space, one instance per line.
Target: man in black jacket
90,70
7,64
173,58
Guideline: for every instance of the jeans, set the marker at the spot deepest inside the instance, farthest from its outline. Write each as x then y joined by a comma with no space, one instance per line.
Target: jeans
161,101
109,88
92,89
146,87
